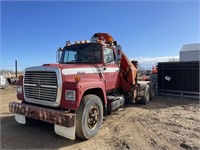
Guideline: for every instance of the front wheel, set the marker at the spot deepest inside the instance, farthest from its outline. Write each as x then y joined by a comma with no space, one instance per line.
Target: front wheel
89,117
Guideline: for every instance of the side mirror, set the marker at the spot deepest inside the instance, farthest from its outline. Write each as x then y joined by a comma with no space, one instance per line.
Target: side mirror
58,56
118,56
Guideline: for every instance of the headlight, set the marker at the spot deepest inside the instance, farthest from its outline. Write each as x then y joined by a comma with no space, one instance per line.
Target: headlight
19,89
70,95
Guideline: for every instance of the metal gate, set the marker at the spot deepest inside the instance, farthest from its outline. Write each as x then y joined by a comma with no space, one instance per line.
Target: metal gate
179,78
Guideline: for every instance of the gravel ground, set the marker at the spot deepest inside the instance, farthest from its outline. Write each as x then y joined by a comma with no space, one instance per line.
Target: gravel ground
165,123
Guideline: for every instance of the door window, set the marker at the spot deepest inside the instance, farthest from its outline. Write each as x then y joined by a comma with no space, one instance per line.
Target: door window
108,55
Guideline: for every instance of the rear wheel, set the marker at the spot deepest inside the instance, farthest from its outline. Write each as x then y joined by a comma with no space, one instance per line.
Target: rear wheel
89,117
145,99
153,92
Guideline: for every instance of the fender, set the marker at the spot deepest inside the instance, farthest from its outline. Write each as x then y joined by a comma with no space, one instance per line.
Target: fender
81,88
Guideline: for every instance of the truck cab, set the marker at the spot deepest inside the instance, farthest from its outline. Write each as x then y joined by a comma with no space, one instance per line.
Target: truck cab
93,59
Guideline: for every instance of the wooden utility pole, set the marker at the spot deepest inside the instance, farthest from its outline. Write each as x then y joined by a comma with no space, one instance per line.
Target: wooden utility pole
16,68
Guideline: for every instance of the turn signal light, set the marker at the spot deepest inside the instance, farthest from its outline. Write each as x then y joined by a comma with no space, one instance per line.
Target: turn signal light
20,77
77,78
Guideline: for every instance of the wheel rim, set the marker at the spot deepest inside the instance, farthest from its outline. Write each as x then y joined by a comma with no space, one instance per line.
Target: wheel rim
93,116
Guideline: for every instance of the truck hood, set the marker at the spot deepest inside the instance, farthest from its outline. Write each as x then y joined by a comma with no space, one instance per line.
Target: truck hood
70,69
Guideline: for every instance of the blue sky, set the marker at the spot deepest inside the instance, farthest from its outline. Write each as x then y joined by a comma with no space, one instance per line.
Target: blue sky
32,31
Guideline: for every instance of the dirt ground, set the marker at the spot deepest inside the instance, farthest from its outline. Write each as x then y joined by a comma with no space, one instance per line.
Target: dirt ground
166,123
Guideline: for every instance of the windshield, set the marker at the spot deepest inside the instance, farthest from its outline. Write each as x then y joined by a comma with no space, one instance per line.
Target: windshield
82,53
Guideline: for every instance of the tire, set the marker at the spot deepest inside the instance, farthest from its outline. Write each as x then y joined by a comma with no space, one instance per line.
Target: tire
146,98
89,117
153,92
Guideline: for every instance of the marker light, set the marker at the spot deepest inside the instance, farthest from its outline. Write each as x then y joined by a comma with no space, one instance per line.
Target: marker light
77,78
68,43
86,41
60,48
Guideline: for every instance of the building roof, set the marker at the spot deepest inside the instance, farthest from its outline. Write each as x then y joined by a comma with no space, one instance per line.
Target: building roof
190,47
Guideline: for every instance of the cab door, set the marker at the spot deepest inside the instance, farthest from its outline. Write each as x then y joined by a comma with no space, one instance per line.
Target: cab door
111,70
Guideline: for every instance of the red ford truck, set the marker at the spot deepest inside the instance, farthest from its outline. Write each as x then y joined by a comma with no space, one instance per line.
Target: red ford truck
87,84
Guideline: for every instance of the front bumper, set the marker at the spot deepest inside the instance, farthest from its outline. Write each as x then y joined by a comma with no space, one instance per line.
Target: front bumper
57,117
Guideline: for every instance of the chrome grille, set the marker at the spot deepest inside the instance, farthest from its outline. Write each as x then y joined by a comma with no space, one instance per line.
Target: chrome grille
41,85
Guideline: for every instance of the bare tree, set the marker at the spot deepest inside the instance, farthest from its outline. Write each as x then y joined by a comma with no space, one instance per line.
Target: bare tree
173,59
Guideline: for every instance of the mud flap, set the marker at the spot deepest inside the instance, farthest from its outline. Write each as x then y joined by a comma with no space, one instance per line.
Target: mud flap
65,131
20,119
